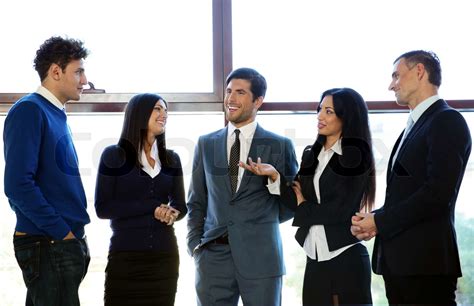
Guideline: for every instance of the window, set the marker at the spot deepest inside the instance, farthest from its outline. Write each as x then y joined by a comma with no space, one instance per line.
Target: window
185,48
304,47
136,46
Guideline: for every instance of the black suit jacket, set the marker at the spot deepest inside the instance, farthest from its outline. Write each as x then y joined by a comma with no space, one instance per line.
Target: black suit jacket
341,187
416,234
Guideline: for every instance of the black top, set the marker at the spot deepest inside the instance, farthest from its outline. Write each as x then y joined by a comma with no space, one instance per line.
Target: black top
128,197
341,184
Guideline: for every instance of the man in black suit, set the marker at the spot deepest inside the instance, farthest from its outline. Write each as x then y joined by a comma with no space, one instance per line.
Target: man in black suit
415,246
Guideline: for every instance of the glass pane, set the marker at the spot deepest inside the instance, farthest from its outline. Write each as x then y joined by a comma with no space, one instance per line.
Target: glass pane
136,46
304,47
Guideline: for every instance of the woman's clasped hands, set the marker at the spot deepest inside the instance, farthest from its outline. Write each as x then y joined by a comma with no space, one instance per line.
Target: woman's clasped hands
166,214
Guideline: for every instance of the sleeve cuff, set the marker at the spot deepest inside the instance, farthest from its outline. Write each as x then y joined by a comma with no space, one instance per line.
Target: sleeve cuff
274,187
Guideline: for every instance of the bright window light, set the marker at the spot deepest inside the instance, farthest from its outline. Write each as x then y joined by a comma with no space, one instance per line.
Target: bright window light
304,47
136,46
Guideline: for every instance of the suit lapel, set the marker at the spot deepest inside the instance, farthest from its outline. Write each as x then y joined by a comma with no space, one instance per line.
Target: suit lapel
423,119
391,161
418,125
220,157
310,160
258,146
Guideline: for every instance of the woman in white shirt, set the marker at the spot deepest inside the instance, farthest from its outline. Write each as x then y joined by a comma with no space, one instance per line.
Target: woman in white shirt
335,180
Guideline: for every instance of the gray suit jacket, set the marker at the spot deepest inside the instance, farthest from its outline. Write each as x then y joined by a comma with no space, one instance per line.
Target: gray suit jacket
252,216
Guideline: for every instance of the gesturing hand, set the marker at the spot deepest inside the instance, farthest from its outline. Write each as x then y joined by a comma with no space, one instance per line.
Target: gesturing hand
259,168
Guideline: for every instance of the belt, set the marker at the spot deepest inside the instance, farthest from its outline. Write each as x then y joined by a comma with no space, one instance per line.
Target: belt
224,239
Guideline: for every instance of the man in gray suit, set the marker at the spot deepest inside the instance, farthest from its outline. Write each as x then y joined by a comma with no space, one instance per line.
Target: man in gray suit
233,214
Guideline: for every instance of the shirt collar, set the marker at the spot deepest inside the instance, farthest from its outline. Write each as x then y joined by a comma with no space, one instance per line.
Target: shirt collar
48,95
153,154
422,107
336,147
246,131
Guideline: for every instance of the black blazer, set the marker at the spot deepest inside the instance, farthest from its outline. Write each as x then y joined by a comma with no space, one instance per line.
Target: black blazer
416,234
341,186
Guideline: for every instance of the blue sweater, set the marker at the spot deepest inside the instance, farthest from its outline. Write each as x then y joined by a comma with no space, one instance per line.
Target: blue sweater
42,180
128,197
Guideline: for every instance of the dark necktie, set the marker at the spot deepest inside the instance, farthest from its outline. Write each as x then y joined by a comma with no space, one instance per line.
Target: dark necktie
234,162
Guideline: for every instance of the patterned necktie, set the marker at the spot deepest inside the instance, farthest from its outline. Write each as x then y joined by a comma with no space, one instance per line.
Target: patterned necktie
234,162
410,123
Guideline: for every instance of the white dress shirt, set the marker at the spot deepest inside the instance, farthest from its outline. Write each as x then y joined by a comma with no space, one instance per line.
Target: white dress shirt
415,114
316,244
422,107
50,97
151,171
246,136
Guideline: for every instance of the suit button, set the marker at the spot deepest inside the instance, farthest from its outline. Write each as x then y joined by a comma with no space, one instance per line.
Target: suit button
231,223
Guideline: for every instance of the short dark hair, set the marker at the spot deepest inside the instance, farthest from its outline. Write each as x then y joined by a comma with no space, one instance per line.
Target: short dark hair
60,51
351,109
135,128
429,59
258,84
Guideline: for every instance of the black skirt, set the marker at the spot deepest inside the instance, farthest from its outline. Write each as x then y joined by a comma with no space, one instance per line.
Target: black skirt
346,278
141,278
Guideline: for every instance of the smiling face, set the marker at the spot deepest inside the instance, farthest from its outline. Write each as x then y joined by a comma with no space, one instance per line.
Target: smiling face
239,104
405,83
157,121
68,83
329,124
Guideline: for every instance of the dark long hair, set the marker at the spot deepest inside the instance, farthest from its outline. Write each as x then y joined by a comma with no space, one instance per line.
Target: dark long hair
135,128
357,154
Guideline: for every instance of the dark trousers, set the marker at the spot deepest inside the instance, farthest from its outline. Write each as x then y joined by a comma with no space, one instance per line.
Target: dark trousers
141,278
52,269
218,283
420,290
343,280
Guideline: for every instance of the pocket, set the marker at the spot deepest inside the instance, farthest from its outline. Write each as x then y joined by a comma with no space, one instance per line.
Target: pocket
72,257
28,258
198,254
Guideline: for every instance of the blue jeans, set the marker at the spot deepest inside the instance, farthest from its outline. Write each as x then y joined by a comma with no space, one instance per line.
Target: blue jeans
52,269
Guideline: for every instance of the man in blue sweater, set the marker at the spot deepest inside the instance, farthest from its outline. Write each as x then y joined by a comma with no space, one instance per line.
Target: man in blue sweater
42,180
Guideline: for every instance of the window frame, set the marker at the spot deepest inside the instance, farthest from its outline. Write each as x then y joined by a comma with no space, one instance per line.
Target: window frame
91,102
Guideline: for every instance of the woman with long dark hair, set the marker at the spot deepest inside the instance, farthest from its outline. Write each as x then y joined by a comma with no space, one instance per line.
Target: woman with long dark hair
336,179
140,189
